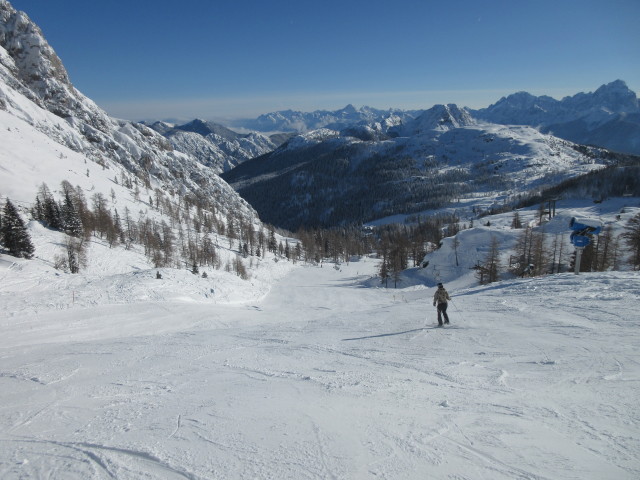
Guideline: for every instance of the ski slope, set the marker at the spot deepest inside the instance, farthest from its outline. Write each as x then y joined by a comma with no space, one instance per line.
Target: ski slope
324,378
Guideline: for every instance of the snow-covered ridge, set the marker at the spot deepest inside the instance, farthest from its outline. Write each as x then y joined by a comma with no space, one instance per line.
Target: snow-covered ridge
296,121
439,118
214,145
524,108
608,117
444,155
311,138
35,89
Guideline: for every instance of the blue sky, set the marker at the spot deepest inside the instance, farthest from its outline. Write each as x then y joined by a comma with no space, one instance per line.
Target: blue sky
153,59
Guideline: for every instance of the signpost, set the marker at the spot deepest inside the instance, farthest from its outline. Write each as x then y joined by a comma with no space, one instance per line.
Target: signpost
583,228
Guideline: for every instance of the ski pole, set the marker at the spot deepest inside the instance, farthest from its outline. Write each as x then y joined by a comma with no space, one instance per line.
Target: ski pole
454,305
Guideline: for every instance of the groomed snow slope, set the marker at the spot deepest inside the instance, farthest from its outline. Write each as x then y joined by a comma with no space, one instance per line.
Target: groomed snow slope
325,378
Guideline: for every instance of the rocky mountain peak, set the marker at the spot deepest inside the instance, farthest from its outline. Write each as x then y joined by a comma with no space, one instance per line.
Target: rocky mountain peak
37,72
36,90
525,100
205,128
350,109
616,97
607,117
23,40
439,118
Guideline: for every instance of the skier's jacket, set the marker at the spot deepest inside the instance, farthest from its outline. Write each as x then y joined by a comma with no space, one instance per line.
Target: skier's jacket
441,296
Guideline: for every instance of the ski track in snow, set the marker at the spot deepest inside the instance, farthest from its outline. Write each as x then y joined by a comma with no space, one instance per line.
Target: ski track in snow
324,379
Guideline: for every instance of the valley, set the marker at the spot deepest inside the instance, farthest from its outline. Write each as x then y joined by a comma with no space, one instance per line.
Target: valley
188,299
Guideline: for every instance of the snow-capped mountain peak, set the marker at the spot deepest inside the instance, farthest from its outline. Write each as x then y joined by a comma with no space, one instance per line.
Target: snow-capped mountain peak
35,89
34,59
214,145
524,108
439,118
616,97
349,109
296,121
608,117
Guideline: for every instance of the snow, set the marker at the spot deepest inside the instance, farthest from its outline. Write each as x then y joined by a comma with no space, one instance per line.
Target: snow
306,372
324,377
302,371
22,173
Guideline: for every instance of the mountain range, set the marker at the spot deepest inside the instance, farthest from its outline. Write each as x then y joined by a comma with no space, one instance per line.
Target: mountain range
350,165
215,145
444,158
301,122
384,163
608,117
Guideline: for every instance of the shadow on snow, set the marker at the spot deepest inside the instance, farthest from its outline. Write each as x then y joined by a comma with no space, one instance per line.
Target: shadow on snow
384,334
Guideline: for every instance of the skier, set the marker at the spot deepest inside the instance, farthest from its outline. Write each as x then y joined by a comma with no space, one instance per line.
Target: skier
440,299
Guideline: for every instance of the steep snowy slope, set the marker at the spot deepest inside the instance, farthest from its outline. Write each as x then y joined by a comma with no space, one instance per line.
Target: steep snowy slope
36,93
453,262
213,145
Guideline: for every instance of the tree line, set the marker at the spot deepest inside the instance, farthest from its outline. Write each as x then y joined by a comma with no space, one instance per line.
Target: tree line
537,253
189,233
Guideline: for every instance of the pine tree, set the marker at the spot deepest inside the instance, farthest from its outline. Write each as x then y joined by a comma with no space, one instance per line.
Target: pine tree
70,219
208,254
632,239
456,244
37,212
557,248
75,254
384,252
14,234
272,245
86,216
118,226
607,249
240,269
52,215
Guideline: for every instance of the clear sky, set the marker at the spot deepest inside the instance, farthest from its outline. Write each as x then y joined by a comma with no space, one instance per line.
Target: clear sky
158,59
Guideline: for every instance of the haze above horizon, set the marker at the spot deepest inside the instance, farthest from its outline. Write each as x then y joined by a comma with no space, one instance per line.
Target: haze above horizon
160,59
